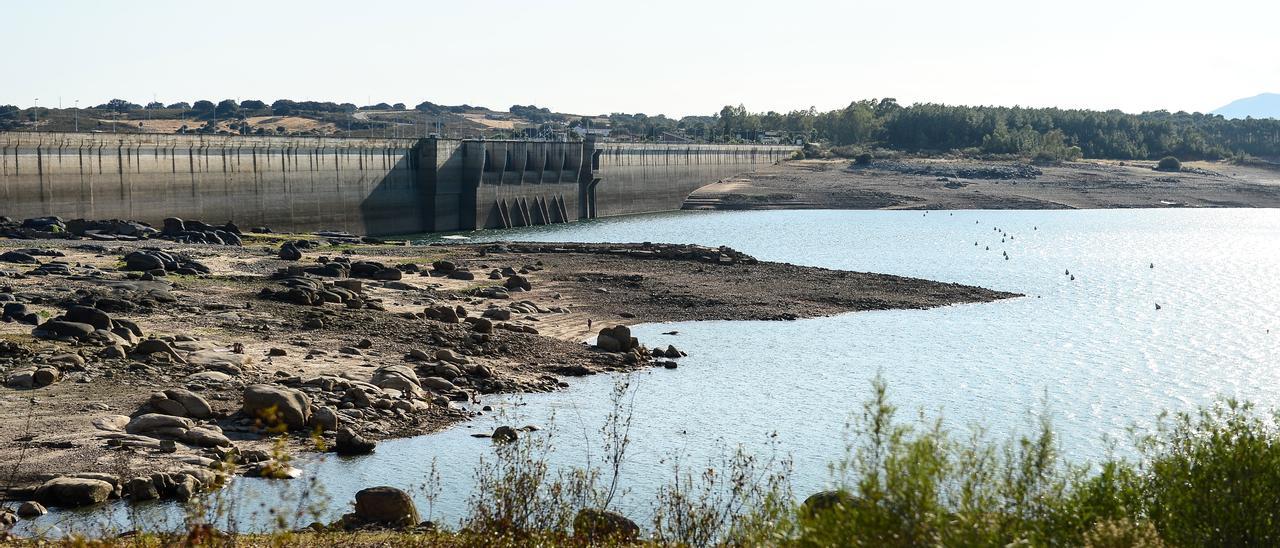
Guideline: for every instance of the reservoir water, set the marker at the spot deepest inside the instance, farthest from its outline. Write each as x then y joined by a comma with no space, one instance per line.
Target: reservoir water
1089,348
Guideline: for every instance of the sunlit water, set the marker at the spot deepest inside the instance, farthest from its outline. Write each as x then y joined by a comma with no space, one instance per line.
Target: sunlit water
1093,352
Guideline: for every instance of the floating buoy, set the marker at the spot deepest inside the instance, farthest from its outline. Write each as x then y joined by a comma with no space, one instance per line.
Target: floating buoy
1157,306
1153,265
1073,278
1067,273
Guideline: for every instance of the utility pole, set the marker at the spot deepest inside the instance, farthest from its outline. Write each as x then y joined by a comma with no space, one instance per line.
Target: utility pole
36,112
77,115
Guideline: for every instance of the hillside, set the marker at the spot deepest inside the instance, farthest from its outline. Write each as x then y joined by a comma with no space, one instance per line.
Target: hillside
1265,105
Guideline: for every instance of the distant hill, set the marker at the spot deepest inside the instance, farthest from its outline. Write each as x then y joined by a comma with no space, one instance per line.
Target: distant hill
1266,105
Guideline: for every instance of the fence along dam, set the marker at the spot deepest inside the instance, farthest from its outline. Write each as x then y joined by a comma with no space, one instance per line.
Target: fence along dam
364,186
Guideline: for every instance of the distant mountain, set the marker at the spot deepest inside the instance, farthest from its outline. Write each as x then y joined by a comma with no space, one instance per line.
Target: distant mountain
1266,105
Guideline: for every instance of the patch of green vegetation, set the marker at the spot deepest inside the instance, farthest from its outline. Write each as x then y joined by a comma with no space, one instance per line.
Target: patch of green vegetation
1207,478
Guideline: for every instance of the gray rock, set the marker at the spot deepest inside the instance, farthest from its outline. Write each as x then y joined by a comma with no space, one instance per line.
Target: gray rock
142,488
438,384
275,405
351,443
17,257
31,509
504,434
387,506
45,376
92,316
324,418
71,491
60,328
156,422
398,377
290,252
204,437
195,405
152,346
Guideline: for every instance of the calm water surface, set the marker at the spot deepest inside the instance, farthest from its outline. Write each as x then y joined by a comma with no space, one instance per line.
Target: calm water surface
1094,353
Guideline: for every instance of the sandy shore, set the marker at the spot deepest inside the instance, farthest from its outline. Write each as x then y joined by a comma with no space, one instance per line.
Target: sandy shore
377,359
962,184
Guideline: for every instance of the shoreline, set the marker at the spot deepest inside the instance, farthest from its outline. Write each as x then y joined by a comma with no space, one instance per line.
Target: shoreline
376,367
948,184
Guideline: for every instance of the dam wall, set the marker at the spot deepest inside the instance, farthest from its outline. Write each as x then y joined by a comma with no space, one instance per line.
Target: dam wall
363,186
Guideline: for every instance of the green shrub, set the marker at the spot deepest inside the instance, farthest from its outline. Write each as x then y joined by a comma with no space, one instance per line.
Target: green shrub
863,159
1169,163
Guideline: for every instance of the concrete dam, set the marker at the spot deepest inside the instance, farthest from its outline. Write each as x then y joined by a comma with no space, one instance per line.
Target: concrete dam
364,186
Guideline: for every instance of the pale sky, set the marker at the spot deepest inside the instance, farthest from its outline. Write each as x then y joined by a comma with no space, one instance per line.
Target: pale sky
656,56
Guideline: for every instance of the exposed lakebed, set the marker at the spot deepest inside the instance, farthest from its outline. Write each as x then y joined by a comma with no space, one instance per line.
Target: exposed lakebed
1094,352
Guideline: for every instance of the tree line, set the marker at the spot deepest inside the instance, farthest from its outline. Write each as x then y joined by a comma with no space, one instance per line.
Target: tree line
1051,133
931,127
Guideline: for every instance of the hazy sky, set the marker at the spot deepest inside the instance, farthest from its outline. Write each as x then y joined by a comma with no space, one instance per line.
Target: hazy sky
656,56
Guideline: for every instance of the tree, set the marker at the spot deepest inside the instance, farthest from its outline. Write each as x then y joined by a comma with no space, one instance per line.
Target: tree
154,105
119,105
252,104
9,117
203,107
398,106
227,108
180,105
284,107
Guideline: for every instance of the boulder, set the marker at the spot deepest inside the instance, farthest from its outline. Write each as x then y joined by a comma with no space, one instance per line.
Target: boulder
616,339
351,443
152,346
17,257
290,252
444,266
277,405
69,491
827,501
92,316
517,282
45,376
60,328
442,314
596,527
205,437
386,506
499,314
31,509
142,488
195,405
437,384
397,377
387,274
324,419
155,422
173,226
504,434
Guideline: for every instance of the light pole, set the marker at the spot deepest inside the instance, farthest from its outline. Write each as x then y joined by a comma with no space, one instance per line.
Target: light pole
36,112
77,115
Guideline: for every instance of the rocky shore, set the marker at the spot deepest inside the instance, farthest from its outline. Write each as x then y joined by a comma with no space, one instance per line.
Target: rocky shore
149,364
